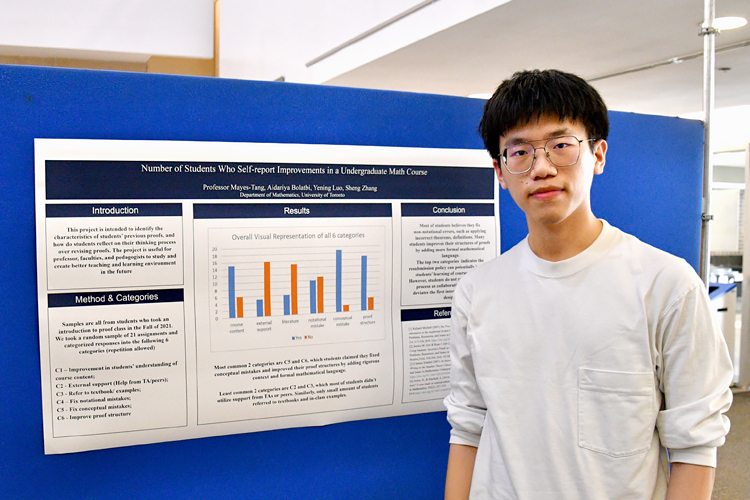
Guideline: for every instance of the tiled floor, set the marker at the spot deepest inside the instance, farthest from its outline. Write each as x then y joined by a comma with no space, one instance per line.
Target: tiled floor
733,470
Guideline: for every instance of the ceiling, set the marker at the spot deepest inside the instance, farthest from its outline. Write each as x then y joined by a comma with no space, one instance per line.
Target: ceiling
595,40
604,41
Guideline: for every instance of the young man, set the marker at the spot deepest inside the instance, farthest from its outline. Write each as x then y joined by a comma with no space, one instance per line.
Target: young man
583,361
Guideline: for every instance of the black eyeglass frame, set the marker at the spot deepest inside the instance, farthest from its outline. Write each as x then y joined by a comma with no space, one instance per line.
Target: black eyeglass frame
504,154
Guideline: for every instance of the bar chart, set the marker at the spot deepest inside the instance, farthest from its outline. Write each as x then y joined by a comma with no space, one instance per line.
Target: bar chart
286,274
273,287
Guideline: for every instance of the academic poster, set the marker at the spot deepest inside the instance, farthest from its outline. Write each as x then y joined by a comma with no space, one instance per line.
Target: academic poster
192,289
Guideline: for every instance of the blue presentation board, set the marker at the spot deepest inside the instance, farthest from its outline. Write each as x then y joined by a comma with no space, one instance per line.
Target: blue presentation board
651,188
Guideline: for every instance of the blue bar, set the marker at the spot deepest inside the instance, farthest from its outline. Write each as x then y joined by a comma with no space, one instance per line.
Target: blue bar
364,282
338,281
313,297
287,305
232,299
259,304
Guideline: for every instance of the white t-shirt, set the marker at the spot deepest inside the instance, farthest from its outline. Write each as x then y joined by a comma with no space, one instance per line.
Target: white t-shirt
573,377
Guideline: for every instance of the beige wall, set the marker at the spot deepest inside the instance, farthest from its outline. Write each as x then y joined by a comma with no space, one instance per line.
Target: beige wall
181,66
73,63
166,65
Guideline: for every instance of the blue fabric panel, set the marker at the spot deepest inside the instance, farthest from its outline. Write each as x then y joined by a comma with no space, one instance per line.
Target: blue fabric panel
402,457
651,187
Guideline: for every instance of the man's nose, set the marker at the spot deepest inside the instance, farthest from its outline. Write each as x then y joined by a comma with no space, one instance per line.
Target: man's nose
542,166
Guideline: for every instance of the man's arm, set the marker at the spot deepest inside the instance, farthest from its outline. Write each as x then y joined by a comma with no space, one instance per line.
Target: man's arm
694,374
690,482
460,470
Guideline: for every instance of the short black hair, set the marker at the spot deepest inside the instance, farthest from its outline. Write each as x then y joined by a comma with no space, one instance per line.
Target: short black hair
529,95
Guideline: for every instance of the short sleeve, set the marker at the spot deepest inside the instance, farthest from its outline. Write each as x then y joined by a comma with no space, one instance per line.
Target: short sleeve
465,405
694,375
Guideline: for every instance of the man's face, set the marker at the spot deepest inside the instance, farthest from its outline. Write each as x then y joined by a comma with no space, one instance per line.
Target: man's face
547,194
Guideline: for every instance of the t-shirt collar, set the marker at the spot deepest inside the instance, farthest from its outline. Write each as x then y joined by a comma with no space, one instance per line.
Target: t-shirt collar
567,267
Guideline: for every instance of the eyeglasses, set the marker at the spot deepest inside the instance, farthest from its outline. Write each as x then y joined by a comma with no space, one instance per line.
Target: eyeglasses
561,152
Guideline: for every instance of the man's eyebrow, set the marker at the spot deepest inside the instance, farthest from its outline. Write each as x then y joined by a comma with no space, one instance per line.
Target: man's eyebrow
563,131
559,132
515,140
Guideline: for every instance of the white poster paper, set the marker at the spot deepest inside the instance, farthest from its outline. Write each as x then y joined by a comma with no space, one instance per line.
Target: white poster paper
196,289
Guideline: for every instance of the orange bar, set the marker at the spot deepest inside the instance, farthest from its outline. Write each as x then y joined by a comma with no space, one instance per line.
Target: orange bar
239,307
294,288
320,294
267,288
370,303
346,308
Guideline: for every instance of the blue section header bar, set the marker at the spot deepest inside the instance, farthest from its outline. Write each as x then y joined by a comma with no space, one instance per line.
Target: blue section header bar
115,210
118,180
291,210
447,209
425,314
114,298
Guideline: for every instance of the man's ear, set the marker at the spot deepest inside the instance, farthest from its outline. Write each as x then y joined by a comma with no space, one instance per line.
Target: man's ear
600,156
499,173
